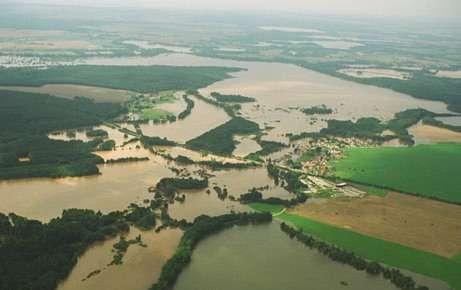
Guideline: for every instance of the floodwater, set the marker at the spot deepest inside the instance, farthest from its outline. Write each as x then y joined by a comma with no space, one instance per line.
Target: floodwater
281,89
454,121
290,29
98,94
141,265
262,257
113,134
203,118
123,183
337,44
117,186
245,146
147,45
237,182
195,155
455,74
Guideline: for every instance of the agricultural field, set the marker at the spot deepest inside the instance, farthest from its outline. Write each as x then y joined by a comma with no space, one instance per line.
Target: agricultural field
390,253
425,170
416,222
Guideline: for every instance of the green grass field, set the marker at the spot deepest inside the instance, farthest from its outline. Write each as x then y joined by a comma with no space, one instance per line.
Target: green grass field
428,170
382,251
155,114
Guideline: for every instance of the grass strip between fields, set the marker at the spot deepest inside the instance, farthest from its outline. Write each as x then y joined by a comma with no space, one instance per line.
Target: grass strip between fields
375,249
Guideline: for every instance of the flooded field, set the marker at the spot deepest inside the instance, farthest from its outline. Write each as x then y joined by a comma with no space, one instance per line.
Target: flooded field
147,262
97,94
245,146
375,73
80,134
116,187
455,74
425,134
203,118
263,258
236,182
124,183
147,45
289,29
282,88
454,121
337,44
48,45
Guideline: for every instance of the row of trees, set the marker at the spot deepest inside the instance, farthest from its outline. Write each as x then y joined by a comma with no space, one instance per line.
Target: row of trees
345,257
190,105
231,98
202,227
126,159
288,179
212,164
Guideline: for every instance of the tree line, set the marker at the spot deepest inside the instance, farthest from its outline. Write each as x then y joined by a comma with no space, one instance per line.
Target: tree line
336,254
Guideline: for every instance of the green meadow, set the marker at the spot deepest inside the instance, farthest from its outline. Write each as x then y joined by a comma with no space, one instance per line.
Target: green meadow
427,170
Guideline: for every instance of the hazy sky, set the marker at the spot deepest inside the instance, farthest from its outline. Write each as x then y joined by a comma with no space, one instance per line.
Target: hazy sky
357,7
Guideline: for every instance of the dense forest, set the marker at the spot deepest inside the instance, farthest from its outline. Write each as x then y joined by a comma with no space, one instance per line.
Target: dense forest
148,141
35,115
220,139
143,79
37,256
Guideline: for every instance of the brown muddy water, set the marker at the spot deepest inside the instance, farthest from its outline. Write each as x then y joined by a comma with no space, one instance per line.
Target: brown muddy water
203,118
80,134
124,183
245,146
281,89
116,187
141,265
262,257
236,182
